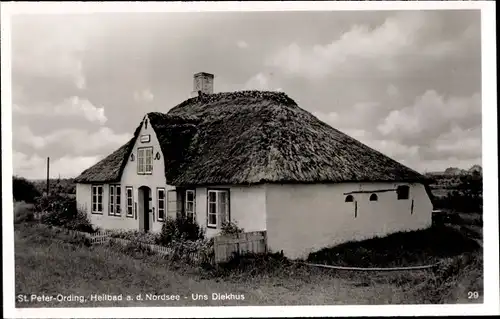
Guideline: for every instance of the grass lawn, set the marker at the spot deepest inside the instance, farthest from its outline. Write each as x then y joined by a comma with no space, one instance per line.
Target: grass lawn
50,263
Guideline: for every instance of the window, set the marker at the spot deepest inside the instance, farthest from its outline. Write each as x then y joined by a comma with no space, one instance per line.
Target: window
130,201
349,199
172,202
373,198
161,203
218,207
190,204
403,192
97,199
144,160
114,200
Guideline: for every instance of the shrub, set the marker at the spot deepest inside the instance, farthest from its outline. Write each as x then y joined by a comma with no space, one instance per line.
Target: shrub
24,190
23,213
230,228
180,229
60,210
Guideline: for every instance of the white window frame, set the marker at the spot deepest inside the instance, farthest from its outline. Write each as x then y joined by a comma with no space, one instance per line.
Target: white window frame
193,212
217,213
96,199
115,197
130,208
111,201
171,212
161,199
143,155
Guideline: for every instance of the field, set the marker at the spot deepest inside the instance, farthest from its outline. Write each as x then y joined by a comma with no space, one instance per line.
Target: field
52,263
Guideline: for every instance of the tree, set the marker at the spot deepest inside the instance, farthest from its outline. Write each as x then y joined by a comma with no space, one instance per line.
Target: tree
469,194
24,190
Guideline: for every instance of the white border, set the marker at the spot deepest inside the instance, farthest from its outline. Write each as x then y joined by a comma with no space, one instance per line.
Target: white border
490,161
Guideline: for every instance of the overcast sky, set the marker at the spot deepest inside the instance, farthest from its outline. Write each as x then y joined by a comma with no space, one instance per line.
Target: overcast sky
405,83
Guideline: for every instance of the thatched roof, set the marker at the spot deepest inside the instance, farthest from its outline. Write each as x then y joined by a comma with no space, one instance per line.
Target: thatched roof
251,137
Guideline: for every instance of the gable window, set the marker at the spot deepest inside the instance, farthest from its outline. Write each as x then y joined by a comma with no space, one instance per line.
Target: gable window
161,203
403,192
190,204
172,202
218,207
97,199
145,160
373,198
130,201
114,200
349,199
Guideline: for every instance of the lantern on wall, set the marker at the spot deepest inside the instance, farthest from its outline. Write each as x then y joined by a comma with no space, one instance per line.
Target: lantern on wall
157,156
132,157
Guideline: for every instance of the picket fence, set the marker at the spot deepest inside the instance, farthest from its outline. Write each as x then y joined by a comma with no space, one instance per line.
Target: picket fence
225,246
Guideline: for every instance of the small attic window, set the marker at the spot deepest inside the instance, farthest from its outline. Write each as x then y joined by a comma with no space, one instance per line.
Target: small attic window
373,198
349,199
146,124
403,192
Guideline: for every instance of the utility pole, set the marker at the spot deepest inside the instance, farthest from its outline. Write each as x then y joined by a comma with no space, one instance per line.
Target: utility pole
48,161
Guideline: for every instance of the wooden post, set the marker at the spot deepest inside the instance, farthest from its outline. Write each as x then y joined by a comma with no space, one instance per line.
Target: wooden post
48,164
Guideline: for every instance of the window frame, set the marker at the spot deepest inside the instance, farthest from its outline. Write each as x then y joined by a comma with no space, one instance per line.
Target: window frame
168,202
186,202
131,206
217,214
142,160
407,193
114,200
164,199
96,202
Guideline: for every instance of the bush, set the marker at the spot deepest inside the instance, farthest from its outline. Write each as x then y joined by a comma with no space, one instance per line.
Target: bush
23,213
230,228
180,229
24,190
61,210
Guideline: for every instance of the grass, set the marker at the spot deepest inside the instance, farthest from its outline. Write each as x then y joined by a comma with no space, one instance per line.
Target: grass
50,262
422,247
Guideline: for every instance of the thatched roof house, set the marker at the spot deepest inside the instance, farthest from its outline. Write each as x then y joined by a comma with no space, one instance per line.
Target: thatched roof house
253,137
248,145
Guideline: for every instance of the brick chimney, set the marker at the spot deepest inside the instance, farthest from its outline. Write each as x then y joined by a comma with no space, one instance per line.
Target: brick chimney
203,82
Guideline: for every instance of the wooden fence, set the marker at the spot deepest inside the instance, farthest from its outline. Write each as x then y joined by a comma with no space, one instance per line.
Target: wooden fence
250,242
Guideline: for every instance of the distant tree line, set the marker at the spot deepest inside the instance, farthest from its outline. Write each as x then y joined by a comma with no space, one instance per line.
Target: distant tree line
28,191
467,195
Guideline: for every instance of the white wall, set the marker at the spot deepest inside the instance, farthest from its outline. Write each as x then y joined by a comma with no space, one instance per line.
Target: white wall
306,218
247,207
131,178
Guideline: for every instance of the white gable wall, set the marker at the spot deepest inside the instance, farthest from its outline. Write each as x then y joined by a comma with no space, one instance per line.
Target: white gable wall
130,178
306,218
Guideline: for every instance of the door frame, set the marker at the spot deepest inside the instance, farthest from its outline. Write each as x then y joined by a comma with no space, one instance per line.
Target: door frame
145,208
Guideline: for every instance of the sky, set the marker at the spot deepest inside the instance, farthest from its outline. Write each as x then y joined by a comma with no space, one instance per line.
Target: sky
406,83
